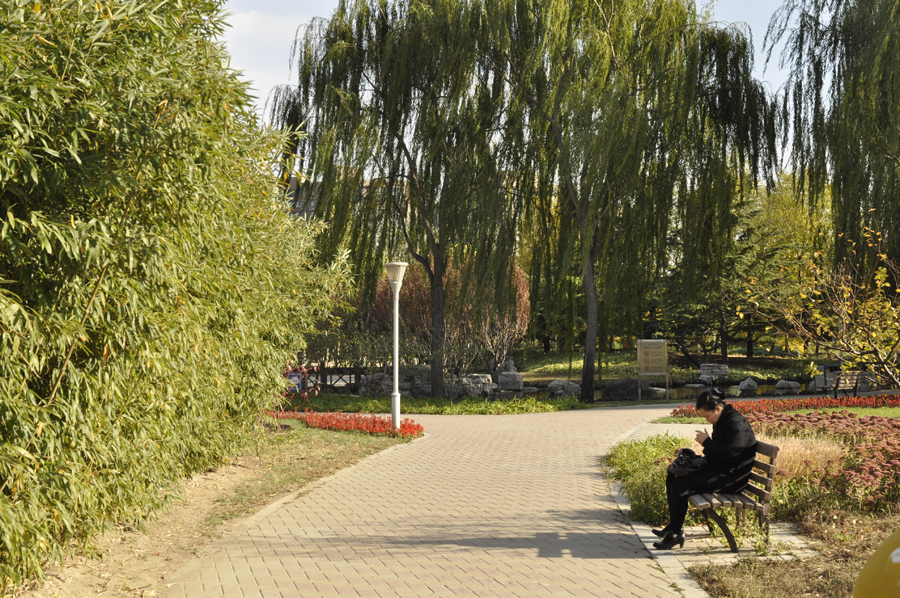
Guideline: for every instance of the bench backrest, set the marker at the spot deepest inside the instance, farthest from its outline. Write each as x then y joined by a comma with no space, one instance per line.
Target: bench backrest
761,478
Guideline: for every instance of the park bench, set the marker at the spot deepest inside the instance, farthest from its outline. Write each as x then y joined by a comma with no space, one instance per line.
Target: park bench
755,497
846,382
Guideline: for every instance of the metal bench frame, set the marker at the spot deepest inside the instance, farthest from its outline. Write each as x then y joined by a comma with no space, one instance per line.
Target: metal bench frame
760,487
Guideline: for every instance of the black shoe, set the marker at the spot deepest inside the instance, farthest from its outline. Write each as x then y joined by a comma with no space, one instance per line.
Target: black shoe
661,533
670,541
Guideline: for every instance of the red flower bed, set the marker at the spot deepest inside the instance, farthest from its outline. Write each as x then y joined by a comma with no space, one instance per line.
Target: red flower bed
370,424
870,474
746,407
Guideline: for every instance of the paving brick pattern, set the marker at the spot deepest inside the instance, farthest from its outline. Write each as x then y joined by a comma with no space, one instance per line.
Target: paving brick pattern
506,506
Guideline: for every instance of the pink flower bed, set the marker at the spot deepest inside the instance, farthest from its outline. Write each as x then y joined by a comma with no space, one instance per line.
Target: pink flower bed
870,474
370,424
746,407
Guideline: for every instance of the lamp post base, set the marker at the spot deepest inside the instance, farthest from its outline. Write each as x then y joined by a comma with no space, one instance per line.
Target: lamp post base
395,410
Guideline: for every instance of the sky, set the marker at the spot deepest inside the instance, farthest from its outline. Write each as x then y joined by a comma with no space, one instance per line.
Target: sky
259,39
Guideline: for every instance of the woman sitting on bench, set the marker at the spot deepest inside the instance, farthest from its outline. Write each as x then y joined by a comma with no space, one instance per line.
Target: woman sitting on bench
729,455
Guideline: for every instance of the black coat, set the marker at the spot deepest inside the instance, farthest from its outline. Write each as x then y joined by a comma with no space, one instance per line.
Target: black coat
732,447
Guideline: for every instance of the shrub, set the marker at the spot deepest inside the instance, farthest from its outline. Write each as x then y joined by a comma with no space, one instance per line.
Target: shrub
640,466
153,281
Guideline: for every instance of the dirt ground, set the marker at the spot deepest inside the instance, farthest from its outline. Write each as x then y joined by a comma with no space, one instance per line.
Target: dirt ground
134,564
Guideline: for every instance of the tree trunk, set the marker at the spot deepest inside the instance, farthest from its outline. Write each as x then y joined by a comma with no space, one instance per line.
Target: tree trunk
588,370
723,339
750,337
437,328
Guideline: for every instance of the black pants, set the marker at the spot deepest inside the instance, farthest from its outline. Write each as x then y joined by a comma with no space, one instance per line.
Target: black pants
711,480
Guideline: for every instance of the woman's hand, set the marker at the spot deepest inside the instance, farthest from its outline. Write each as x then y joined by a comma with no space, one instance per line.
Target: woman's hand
701,436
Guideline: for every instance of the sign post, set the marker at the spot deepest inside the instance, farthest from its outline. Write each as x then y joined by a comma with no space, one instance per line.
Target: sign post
653,360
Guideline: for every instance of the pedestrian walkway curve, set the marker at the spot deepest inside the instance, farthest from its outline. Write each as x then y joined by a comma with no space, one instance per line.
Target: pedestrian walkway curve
505,506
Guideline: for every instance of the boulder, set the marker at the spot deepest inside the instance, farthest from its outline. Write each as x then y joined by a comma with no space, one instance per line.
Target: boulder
748,387
472,385
530,390
562,388
510,381
787,387
660,392
507,366
627,390
718,371
707,379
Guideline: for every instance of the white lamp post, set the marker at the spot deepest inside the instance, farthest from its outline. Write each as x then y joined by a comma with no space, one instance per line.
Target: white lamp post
395,271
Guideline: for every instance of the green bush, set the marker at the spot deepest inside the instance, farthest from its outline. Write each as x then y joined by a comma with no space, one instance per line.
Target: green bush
153,283
640,465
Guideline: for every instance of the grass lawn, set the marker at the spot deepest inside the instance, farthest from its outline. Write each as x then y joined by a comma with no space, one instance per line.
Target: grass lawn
542,368
440,406
294,457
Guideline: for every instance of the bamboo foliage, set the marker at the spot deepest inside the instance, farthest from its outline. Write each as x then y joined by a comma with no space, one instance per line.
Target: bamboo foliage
152,283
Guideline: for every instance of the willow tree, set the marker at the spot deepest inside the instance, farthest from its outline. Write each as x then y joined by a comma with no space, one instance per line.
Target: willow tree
652,118
844,104
405,138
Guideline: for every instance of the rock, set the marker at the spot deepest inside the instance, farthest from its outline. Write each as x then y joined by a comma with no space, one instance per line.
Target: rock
660,392
507,366
530,390
510,381
748,386
472,385
786,387
627,390
561,388
718,371
707,379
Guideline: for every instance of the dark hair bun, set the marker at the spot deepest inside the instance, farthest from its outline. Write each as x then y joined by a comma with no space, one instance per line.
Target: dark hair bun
710,399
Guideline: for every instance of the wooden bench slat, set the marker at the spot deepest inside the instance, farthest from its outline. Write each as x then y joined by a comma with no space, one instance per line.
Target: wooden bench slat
769,469
698,502
762,495
769,450
763,480
712,500
749,503
725,499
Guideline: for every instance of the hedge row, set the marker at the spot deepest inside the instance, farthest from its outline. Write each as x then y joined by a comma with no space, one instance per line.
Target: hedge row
151,282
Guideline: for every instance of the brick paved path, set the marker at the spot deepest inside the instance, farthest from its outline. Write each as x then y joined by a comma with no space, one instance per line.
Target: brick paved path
484,506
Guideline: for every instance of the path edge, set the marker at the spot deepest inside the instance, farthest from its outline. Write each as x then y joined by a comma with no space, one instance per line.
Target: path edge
168,585
667,561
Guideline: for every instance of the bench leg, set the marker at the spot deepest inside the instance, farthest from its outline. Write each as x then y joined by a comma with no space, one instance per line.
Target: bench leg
764,524
724,527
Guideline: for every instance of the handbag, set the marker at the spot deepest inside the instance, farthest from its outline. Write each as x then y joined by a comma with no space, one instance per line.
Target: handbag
686,463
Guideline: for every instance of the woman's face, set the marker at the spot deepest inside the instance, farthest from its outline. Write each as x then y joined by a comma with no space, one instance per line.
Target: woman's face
711,415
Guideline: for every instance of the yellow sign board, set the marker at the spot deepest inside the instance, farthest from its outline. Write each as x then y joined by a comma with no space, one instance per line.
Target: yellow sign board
652,357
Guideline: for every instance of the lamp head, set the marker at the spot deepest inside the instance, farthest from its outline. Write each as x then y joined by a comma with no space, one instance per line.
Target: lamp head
396,270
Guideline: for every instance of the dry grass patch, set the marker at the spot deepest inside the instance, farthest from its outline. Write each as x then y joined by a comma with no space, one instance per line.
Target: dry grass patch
800,457
845,541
